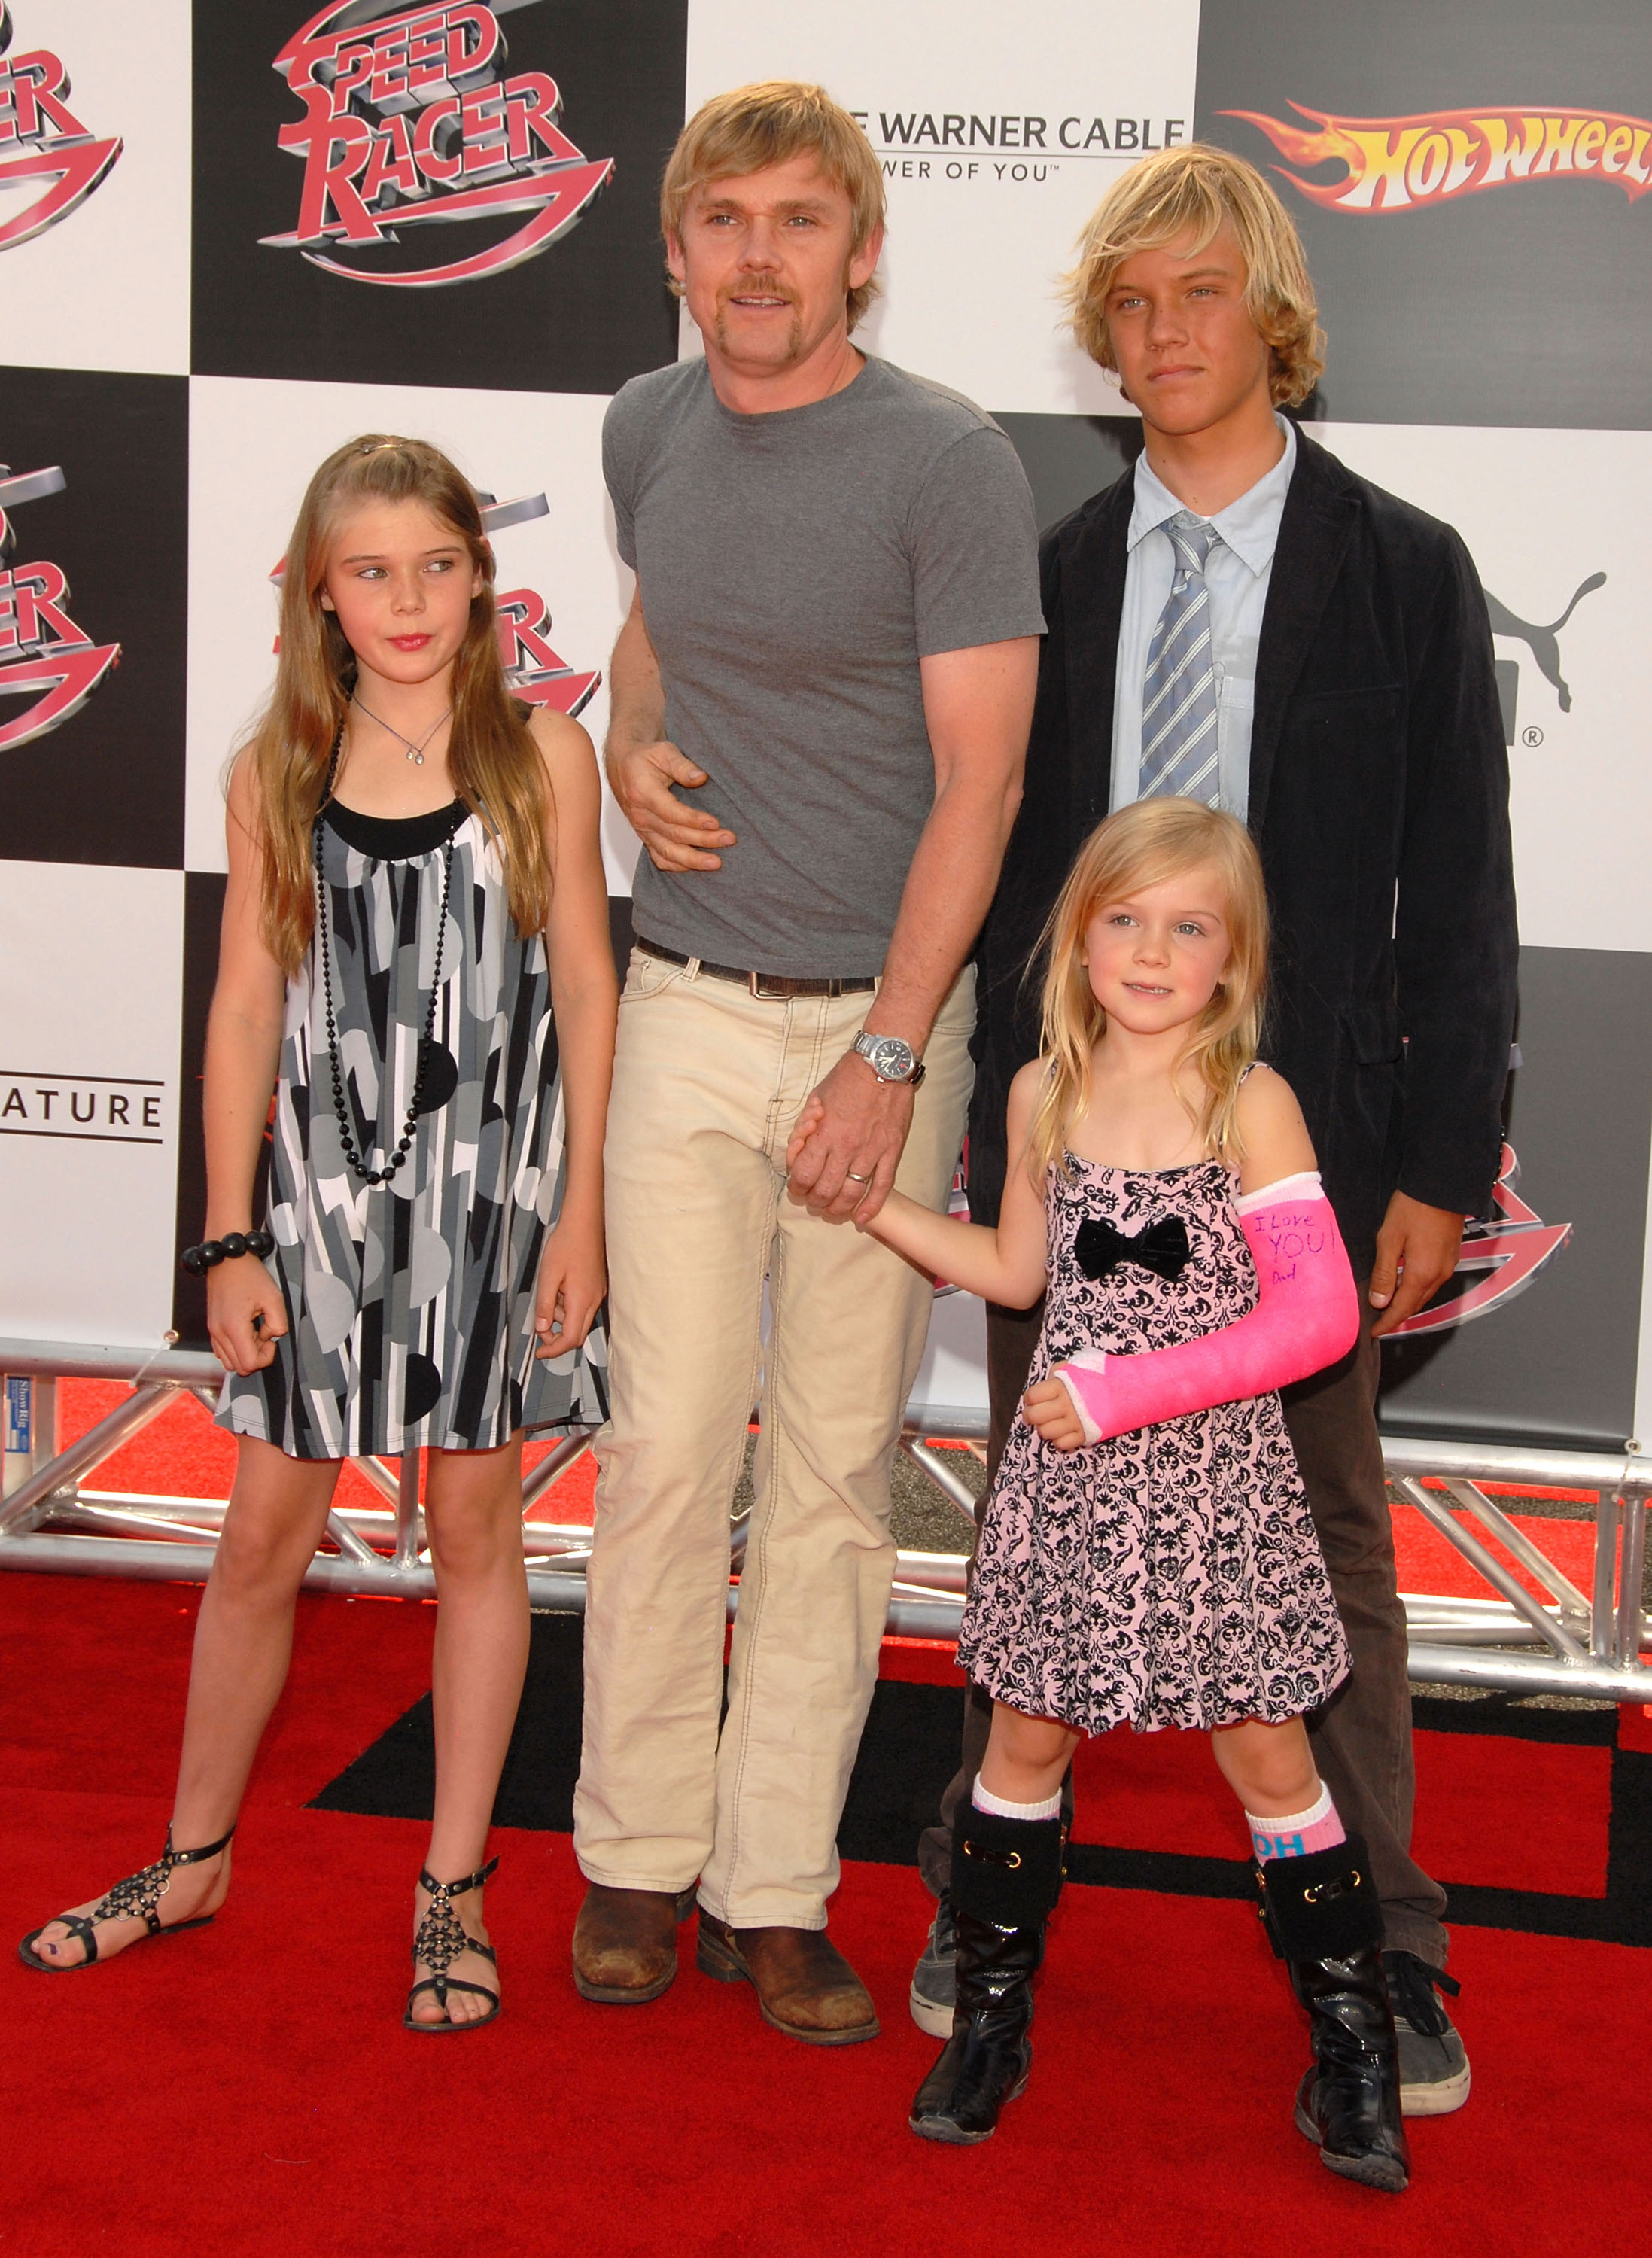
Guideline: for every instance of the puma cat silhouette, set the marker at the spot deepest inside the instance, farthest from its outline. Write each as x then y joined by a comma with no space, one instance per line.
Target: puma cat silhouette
1544,641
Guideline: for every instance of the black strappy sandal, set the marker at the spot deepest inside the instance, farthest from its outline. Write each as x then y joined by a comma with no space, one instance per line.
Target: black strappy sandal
439,1941
135,1899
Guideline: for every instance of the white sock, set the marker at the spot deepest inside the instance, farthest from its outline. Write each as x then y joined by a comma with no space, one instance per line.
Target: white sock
984,1800
1301,1833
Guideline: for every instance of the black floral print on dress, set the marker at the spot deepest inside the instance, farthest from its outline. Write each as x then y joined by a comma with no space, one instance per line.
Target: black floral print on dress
1169,1577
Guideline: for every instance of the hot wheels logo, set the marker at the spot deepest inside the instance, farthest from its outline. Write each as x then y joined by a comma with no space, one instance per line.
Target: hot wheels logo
42,140
1400,164
43,654
409,119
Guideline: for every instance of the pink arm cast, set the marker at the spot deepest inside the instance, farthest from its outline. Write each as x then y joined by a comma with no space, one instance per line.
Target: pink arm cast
1305,1317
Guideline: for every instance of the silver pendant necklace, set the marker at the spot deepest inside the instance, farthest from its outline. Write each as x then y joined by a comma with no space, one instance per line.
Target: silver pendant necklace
415,753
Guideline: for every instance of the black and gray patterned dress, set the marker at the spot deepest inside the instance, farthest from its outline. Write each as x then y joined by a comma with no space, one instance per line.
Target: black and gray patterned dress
1171,1576
410,1304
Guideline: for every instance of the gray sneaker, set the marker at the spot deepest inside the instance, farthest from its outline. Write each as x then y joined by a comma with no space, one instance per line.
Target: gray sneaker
1433,2066
933,1988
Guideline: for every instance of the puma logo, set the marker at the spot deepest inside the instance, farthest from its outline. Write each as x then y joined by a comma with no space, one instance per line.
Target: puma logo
1544,642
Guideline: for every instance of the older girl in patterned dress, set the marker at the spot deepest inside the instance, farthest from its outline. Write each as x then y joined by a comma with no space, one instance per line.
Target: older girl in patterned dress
1134,1567
415,889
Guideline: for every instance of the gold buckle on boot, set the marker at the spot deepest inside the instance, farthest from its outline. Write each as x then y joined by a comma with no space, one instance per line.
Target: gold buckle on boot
1339,1885
1008,1859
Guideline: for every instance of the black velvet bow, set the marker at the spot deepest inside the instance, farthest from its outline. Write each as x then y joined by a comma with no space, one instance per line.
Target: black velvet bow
1162,1247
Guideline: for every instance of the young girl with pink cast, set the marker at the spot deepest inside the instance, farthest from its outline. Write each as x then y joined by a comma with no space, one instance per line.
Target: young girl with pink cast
1147,1556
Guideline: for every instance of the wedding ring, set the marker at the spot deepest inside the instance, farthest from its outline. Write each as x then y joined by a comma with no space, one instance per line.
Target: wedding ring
854,1179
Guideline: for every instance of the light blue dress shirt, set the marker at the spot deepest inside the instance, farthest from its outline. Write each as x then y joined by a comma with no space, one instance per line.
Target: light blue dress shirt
1237,573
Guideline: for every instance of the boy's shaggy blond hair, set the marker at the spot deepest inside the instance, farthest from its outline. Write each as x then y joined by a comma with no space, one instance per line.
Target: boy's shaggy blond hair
1196,190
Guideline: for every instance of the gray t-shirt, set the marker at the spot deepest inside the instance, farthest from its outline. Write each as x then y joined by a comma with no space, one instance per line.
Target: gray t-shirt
794,568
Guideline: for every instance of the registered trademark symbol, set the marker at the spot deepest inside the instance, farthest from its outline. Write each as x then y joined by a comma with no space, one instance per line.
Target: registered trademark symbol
1534,736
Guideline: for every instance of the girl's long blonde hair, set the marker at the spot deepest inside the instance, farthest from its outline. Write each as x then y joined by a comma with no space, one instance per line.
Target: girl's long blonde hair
494,764
1142,846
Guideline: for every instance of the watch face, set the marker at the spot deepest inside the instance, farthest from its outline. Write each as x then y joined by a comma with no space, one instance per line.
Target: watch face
889,1057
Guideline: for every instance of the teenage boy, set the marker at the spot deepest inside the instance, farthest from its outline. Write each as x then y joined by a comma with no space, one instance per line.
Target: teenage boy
820,708
1340,699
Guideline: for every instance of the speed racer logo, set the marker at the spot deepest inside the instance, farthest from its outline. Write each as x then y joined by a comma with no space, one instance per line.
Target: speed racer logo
410,119
1403,164
45,151
532,667
44,656
1500,1260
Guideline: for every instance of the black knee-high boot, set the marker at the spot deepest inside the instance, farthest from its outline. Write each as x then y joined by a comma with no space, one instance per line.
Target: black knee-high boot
1326,1922
1006,1875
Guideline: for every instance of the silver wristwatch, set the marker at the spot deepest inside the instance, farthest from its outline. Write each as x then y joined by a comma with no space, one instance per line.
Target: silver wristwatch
889,1058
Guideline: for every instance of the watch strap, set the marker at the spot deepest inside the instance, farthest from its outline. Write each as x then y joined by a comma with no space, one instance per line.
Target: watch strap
865,1046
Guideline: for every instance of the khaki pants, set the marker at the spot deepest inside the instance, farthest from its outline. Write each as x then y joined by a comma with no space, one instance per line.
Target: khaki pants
708,1081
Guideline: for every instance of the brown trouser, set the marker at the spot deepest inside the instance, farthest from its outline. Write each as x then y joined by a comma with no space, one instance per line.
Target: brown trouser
1362,1736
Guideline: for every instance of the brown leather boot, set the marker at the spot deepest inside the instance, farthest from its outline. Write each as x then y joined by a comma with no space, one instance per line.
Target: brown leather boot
625,1944
804,1985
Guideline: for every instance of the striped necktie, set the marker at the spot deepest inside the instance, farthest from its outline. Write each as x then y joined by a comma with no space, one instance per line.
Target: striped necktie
1179,690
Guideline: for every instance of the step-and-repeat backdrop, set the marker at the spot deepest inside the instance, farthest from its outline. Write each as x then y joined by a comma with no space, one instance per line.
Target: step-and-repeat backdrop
231,237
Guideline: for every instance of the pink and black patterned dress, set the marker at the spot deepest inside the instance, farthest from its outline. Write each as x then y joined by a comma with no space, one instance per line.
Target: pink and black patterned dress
1171,1576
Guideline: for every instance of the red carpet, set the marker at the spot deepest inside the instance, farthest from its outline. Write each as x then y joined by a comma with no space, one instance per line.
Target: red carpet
1514,1814
183,1454
248,2088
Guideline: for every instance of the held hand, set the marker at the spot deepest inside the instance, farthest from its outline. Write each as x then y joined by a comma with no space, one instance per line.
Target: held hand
573,1278
677,837
845,1163
1049,1409
804,1127
238,1293
1417,1250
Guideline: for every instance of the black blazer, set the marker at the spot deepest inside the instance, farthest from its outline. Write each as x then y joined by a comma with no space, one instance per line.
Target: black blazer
1379,804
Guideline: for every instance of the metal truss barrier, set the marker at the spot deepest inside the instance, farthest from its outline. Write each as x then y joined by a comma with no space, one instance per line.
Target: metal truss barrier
1589,1643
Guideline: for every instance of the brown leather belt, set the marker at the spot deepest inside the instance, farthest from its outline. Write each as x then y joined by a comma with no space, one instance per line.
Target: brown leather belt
767,987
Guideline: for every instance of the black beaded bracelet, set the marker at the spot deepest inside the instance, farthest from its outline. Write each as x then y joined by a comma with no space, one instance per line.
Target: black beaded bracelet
211,1252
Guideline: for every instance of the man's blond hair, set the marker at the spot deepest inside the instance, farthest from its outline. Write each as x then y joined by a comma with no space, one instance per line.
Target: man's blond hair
753,127
1195,190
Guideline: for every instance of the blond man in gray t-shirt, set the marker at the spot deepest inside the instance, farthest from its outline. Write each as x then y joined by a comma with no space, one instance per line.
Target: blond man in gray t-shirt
820,706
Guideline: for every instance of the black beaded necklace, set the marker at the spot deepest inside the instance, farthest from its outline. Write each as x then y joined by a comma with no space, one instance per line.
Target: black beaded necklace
355,1158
